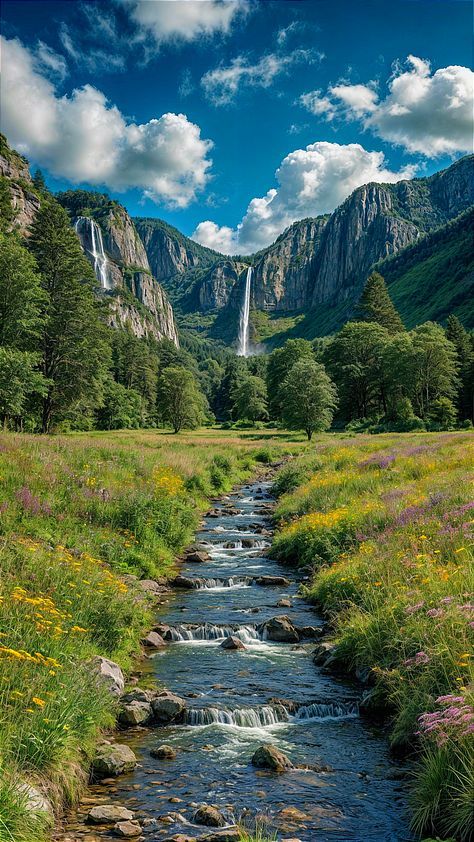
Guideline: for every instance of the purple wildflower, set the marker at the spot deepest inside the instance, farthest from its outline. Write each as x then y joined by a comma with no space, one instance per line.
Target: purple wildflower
435,612
412,609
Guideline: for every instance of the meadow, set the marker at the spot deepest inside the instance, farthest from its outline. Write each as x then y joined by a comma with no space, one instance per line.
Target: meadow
80,516
385,526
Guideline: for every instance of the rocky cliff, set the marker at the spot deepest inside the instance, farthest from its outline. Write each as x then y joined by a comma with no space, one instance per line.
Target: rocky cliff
169,252
15,173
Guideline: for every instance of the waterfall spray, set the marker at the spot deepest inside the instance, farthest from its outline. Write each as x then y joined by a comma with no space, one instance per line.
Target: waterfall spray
90,236
243,340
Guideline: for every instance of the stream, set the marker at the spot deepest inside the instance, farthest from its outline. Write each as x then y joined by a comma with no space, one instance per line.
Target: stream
355,792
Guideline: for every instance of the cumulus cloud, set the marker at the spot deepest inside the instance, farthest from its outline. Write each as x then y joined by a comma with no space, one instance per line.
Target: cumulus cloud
184,20
310,181
424,112
223,83
85,138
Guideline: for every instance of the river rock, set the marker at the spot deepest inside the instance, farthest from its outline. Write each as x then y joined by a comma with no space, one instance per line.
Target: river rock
309,632
108,814
163,752
136,695
197,557
232,643
127,830
109,673
153,640
34,801
272,581
269,757
167,707
293,814
112,760
284,603
229,834
184,582
280,629
323,652
135,713
152,586
211,816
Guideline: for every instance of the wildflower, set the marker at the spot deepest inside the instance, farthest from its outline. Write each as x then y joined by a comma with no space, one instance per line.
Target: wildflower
37,701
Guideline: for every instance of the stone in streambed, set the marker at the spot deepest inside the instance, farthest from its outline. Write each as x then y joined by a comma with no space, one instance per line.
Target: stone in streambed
232,643
280,629
272,581
127,830
284,603
211,816
136,695
153,640
269,757
167,707
113,760
163,752
197,557
230,834
135,713
108,814
184,582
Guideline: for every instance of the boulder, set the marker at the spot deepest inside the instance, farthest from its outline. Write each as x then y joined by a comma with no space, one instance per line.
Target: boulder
34,801
284,603
309,632
280,629
152,586
163,752
269,757
167,707
229,834
127,830
197,557
232,643
323,652
108,814
112,760
210,816
136,695
109,673
135,713
272,581
185,582
153,640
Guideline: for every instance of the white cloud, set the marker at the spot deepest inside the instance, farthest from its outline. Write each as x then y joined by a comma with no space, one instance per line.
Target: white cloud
184,20
51,63
424,112
84,138
223,83
310,181
79,44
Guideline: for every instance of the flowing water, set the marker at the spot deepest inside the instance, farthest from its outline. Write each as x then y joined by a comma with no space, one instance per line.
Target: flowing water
351,790
243,340
90,236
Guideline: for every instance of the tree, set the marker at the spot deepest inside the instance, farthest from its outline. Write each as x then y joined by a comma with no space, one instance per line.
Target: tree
354,360
309,398
19,380
74,351
7,213
461,340
121,407
38,181
442,415
180,403
375,305
21,296
250,399
398,363
135,366
435,367
280,362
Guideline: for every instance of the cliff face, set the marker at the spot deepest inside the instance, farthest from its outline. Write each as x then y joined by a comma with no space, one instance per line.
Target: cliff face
169,252
218,286
14,169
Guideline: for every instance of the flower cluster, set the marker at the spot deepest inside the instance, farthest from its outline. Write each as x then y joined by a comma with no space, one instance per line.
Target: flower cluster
166,483
455,719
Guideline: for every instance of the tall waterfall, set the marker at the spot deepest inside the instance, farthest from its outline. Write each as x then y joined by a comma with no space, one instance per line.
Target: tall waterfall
90,236
243,340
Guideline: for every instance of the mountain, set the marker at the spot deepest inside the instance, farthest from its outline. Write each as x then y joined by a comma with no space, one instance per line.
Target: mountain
310,278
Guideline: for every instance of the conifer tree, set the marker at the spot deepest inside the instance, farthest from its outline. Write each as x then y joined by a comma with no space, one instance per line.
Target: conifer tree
74,353
460,338
375,305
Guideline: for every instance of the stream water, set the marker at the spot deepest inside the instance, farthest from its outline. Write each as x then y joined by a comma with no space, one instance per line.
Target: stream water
360,797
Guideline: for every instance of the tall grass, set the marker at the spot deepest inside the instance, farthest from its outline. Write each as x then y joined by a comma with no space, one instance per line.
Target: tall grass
387,526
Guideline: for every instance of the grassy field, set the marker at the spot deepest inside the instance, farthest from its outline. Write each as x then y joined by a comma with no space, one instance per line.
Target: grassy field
76,513
386,525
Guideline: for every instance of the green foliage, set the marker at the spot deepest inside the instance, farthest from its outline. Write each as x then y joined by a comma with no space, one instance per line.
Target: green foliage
280,362
250,399
435,367
354,361
21,296
180,404
7,214
308,397
121,407
375,305
19,381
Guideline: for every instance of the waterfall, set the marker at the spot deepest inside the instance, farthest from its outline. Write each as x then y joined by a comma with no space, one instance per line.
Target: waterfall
246,634
243,340
330,710
264,716
90,236
217,584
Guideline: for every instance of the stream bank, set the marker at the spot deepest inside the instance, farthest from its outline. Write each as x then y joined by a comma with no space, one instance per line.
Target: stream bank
344,785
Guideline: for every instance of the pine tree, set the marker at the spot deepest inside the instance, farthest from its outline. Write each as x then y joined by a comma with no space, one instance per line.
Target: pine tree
21,296
73,348
39,182
375,305
7,214
460,338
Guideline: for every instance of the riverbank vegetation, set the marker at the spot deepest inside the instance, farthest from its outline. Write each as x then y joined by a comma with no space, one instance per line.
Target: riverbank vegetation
78,515
385,525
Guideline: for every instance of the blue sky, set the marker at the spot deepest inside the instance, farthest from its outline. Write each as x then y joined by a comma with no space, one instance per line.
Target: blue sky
261,87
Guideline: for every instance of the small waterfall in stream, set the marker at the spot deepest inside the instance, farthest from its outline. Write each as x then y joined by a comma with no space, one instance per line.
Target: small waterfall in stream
90,236
211,632
267,715
243,339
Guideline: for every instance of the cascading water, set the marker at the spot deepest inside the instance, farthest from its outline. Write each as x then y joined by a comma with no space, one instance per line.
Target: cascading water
90,236
243,340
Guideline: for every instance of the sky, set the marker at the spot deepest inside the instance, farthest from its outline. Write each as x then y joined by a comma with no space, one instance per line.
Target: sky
231,119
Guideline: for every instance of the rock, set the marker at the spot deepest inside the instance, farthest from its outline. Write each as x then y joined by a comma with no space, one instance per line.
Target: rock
163,752
309,632
272,581
109,673
184,582
136,695
232,643
167,707
108,814
280,629
284,603
34,801
293,814
269,757
113,760
323,651
152,586
229,834
127,830
211,816
135,713
153,640
197,557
